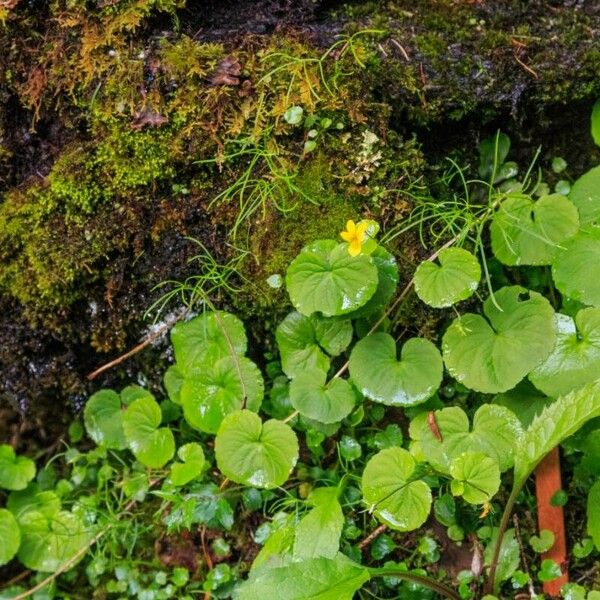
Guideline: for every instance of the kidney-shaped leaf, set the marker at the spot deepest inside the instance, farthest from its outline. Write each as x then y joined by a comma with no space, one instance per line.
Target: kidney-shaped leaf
103,419
10,536
585,195
191,465
33,499
576,268
575,359
493,354
315,579
454,279
316,399
254,453
496,432
47,543
325,278
152,445
388,491
378,374
220,388
212,335
476,477
525,232
15,471
305,342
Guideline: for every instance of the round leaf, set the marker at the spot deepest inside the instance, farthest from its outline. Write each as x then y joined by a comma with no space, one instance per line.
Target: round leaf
304,341
476,477
316,399
103,419
381,377
585,195
219,389
387,270
192,457
254,453
33,499
10,536
173,380
15,471
575,359
576,268
388,491
151,445
325,278
496,432
525,232
47,543
493,353
454,279
213,334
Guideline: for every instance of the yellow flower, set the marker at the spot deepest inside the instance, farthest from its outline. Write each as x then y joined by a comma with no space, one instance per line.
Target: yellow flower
355,236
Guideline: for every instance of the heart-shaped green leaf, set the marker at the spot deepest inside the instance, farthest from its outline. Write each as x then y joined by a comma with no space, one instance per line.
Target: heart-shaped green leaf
152,445
191,465
543,542
476,477
576,268
48,543
585,195
304,342
454,279
389,491
103,419
316,399
222,387
10,536
378,374
254,453
33,499
493,354
319,531
212,335
575,359
325,278
387,270
173,380
525,232
496,432
15,471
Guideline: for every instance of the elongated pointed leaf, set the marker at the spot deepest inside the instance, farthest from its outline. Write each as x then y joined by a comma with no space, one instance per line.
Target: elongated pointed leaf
527,232
593,514
378,374
315,579
319,531
316,399
493,353
325,278
391,494
454,279
254,453
222,387
557,421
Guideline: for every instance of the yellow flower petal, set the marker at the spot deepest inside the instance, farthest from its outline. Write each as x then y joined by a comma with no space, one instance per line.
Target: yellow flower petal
354,248
350,226
347,236
361,230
